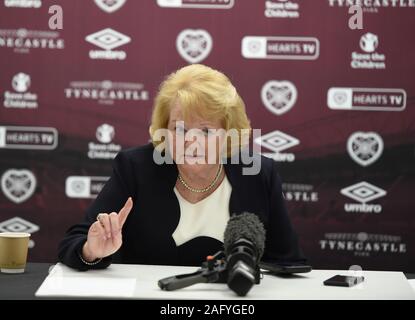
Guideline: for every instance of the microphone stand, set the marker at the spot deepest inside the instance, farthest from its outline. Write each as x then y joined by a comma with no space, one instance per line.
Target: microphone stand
212,270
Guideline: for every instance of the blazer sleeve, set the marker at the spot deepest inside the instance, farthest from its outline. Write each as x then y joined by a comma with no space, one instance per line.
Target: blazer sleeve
112,197
281,244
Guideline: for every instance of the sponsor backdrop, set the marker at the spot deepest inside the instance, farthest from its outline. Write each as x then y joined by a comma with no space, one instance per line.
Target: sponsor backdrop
335,106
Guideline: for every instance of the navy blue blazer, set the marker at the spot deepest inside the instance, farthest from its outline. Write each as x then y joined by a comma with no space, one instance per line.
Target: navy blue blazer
147,232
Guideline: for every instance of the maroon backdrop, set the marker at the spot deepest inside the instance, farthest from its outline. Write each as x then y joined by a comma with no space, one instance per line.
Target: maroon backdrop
335,106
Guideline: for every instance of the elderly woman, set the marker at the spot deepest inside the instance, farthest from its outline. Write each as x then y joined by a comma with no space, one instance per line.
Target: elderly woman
175,212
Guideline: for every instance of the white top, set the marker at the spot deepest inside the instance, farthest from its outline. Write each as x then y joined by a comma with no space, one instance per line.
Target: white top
208,217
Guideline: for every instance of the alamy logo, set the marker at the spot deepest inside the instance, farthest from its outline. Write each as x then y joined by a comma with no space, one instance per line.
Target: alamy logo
279,96
18,185
194,45
365,147
110,6
107,39
277,141
363,192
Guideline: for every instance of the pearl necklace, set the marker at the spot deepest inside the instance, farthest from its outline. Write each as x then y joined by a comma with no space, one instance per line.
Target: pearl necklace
210,186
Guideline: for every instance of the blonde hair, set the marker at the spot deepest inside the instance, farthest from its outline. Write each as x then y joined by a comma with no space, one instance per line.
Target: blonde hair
204,92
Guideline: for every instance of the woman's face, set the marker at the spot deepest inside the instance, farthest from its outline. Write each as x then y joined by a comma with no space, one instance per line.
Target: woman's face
196,143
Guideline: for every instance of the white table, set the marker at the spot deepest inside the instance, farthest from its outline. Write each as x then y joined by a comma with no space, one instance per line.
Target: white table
140,282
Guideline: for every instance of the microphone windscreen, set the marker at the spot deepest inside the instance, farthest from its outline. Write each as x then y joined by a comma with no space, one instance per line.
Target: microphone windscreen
245,226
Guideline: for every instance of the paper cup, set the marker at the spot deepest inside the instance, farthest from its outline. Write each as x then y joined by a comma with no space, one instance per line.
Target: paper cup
13,251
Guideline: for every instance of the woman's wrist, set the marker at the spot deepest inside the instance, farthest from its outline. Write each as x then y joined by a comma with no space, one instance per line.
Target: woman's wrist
87,254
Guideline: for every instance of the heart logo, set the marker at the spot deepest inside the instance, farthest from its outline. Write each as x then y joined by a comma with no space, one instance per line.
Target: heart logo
18,185
279,96
110,6
365,147
340,97
194,45
254,46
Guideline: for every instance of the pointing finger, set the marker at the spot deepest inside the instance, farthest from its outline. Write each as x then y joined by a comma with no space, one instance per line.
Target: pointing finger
124,212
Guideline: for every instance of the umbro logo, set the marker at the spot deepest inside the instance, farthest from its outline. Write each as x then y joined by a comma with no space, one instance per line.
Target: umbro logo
277,141
110,6
18,224
363,192
108,39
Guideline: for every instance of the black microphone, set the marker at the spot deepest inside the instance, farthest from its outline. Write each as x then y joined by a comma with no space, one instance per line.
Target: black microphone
237,265
244,243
